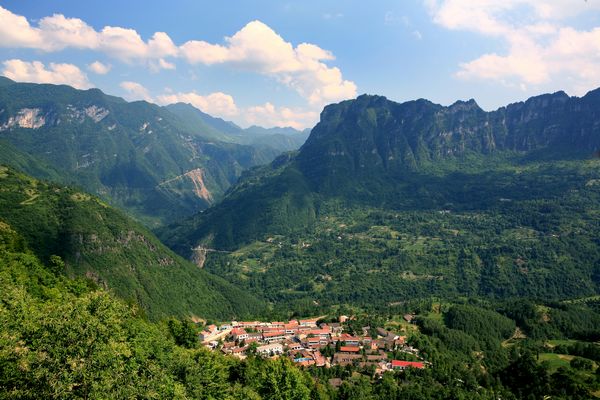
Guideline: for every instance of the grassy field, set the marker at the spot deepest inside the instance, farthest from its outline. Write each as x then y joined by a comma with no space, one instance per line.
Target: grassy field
555,361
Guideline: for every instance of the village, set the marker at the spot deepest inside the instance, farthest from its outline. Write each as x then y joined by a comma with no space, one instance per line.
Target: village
308,342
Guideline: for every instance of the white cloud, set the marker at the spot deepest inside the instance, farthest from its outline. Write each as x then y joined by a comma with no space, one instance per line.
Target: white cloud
541,49
216,104
156,66
99,68
36,72
257,48
268,115
15,31
136,91
58,32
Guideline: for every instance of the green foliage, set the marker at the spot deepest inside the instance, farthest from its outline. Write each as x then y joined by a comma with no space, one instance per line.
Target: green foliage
184,332
479,322
133,155
81,236
64,339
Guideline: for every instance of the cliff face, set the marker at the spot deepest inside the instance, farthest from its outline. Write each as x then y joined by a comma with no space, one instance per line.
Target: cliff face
414,155
372,135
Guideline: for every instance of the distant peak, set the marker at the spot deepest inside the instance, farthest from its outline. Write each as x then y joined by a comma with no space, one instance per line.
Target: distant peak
461,105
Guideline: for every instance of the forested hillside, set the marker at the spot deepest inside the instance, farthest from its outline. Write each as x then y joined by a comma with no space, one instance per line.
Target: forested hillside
389,200
138,156
80,236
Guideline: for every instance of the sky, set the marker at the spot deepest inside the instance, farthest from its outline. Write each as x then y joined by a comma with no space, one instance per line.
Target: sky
278,63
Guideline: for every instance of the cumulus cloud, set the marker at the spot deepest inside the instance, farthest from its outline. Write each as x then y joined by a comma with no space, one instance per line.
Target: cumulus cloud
223,105
37,72
99,68
541,49
136,91
217,104
58,32
268,115
258,48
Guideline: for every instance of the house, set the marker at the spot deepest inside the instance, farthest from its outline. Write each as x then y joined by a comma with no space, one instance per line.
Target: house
312,342
349,339
275,336
309,322
408,318
382,332
344,359
254,336
381,356
239,334
320,360
320,333
247,324
401,365
270,349
293,346
349,349
239,352
335,327
227,347
291,327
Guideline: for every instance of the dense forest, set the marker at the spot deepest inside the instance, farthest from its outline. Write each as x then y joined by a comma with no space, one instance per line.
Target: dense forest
100,243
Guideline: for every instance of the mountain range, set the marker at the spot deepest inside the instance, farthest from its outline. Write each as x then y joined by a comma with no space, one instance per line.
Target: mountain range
384,200
158,163
416,199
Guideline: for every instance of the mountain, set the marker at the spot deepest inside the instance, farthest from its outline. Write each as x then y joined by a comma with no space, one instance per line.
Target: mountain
274,141
98,242
386,200
139,156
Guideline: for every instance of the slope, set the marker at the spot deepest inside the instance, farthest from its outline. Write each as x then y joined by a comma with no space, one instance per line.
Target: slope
97,242
389,200
138,156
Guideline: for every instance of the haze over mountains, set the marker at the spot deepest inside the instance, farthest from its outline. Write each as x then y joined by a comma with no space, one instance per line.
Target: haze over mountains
158,163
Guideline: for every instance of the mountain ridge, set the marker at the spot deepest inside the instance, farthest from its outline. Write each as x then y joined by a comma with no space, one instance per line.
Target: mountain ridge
139,156
387,200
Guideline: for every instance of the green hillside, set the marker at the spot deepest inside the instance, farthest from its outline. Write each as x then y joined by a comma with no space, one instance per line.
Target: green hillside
387,201
63,338
100,243
138,156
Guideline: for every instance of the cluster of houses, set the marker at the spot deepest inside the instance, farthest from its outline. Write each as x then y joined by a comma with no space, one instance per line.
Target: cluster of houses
305,341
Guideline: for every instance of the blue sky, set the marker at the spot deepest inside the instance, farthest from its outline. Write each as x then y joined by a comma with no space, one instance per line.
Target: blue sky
278,63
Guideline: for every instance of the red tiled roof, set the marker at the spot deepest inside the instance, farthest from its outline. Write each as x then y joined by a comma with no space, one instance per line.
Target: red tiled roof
350,349
406,364
273,334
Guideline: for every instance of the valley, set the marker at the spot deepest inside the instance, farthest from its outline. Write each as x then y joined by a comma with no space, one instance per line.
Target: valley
443,259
